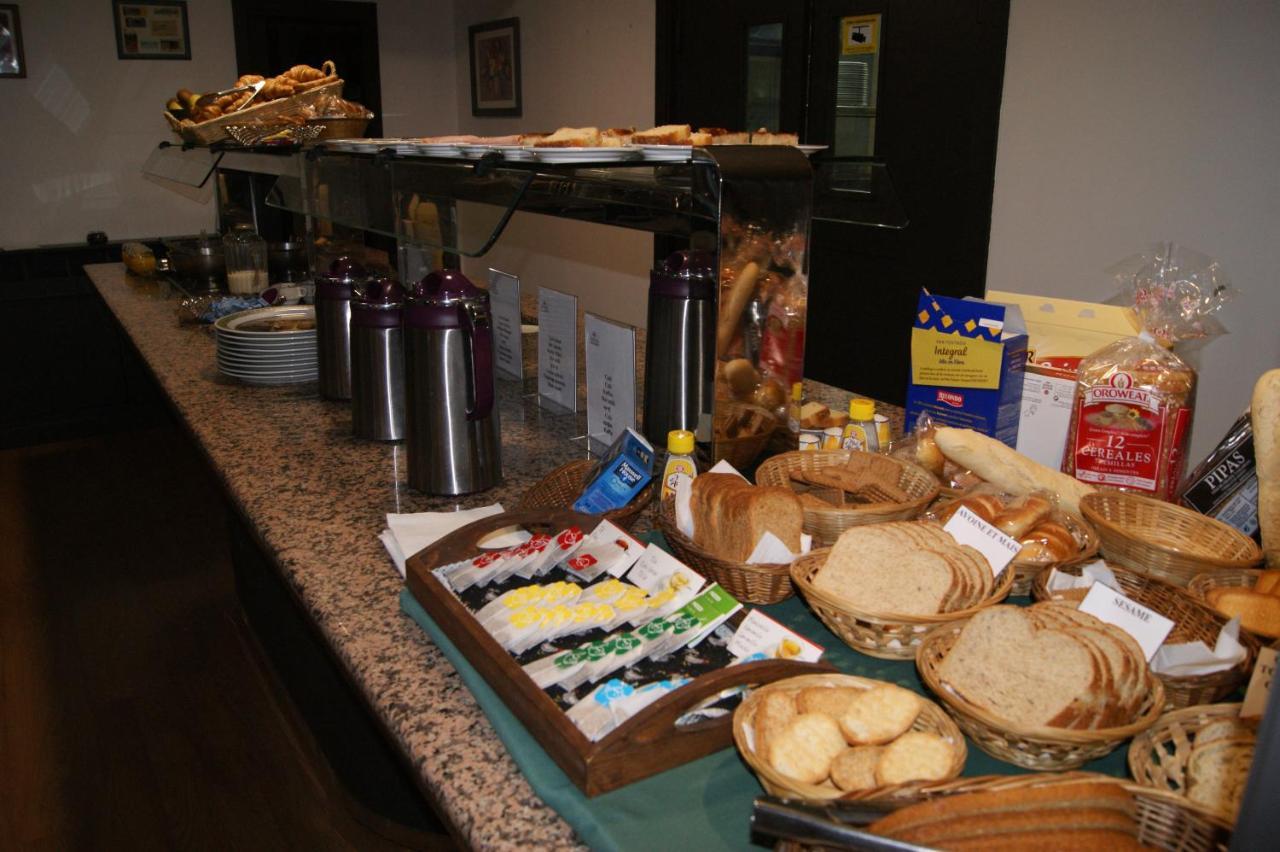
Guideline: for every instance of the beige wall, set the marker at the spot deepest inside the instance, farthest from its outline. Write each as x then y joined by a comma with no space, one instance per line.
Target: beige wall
584,63
1127,123
76,131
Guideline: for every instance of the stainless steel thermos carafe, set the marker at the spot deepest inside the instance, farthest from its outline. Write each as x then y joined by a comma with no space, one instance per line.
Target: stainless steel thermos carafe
377,360
680,353
333,326
451,417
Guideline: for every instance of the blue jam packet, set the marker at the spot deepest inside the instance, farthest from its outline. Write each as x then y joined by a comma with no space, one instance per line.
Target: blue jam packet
624,471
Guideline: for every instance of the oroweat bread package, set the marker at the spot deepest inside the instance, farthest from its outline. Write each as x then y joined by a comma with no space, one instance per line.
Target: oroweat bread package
1131,419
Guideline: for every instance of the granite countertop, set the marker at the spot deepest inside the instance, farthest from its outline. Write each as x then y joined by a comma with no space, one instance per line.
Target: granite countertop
317,498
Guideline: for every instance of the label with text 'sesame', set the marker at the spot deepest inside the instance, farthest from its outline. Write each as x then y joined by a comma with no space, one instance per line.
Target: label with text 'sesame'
1122,433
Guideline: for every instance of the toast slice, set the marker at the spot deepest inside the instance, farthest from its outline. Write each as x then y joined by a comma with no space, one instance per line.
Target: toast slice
571,137
764,137
666,134
721,136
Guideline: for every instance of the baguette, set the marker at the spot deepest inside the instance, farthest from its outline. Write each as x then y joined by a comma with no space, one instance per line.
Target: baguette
1008,469
1265,412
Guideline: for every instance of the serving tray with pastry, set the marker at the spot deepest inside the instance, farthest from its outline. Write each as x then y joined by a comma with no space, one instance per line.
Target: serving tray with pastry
253,99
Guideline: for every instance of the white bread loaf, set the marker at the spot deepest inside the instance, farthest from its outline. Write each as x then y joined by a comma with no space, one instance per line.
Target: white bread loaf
1007,468
1265,412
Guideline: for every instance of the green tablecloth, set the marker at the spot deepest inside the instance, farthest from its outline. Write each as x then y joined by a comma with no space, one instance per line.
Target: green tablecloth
703,805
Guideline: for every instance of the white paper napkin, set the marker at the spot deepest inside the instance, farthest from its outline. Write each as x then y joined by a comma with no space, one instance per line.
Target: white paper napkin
769,549
1195,658
1094,572
407,534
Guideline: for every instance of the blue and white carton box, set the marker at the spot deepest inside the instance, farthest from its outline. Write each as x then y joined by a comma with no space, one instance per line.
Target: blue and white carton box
625,469
968,357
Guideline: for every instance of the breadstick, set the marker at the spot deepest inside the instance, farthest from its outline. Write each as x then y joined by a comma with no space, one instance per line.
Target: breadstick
734,304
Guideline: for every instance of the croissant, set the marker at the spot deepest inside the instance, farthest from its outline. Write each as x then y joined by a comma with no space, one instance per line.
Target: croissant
277,87
248,80
303,73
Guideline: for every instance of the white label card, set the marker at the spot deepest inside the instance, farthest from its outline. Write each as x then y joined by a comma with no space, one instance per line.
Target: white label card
657,570
1255,697
967,528
508,350
557,349
760,634
611,378
1145,625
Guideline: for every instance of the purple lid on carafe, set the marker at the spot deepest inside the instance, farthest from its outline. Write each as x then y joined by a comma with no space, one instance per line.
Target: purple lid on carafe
343,272
377,303
686,274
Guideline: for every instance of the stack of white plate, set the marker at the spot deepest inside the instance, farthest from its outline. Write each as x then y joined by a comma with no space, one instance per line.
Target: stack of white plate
269,346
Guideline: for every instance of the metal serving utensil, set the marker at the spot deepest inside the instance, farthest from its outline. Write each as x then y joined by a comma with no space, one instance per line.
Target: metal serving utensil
205,100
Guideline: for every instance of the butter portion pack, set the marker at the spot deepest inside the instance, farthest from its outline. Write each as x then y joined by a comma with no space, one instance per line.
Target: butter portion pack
967,362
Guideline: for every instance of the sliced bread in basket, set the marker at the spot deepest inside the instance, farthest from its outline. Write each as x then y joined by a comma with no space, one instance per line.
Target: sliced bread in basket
730,515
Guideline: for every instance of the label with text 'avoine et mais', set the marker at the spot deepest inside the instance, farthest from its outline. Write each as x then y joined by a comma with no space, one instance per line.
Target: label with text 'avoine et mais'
1123,434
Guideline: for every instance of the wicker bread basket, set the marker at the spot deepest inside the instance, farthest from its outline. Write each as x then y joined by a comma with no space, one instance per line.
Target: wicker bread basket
1192,620
1158,756
562,486
1163,540
932,719
1235,578
757,584
742,449
1026,572
1042,748
826,524
889,636
214,130
1164,820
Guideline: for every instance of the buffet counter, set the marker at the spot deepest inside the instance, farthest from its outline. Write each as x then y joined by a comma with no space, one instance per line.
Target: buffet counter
316,499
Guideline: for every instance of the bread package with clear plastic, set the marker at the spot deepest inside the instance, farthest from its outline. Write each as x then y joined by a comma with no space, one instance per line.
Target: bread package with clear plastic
1131,419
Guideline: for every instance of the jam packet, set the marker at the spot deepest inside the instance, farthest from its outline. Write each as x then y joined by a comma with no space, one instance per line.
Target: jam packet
615,701
608,550
562,546
525,596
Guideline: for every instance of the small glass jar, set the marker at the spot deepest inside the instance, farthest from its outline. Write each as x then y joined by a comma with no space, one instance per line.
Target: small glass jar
246,258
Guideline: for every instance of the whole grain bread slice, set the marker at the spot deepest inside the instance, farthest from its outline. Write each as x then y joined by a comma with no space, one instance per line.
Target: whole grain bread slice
998,662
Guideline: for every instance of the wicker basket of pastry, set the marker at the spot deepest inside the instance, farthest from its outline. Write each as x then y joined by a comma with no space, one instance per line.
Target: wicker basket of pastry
1253,595
740,432
881,588
729,516
1202,753
284,96
824,735
1192,621
1049,536
843,488
560,488
1166,541
1059,810
1042,687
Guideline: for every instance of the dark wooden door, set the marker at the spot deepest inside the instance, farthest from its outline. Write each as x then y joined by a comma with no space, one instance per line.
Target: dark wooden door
935,89
274,35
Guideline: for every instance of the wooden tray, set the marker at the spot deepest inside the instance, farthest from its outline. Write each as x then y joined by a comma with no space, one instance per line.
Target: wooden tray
644,745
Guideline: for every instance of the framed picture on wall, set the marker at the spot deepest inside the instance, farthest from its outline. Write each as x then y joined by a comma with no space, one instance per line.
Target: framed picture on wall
153,30
12,62
495,67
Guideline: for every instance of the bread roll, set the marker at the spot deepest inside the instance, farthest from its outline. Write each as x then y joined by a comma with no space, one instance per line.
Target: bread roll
1023,514
1008,469
1265,412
